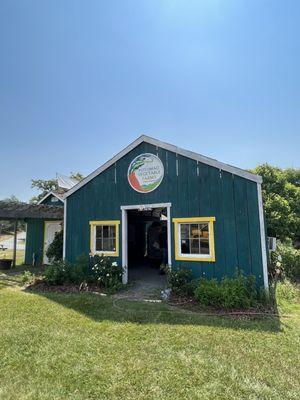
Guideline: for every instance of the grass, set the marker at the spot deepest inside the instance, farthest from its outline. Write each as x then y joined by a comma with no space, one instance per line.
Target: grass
9,254
84,346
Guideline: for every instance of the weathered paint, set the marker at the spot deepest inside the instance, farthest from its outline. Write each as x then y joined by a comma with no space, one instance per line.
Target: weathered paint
195,190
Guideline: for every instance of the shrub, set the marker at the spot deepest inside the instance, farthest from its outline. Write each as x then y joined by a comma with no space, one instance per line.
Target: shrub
57,273
229,293
99,270
106,273
80,271
27,277
180,281
286,291
55,249
289,259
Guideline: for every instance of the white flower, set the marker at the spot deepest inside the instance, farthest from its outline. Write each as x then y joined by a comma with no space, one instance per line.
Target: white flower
107,274
114,264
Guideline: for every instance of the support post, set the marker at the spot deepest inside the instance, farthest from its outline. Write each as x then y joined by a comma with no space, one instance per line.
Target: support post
15,242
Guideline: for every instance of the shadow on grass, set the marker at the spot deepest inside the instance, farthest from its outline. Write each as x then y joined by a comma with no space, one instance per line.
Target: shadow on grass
100,308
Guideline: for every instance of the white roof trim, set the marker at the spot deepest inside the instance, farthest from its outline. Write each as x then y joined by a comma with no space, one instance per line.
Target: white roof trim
61,198
186,153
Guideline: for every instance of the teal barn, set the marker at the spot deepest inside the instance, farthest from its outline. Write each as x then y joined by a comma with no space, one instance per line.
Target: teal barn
154,203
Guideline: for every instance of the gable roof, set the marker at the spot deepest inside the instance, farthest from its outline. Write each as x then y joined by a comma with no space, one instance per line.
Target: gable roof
170,147
59,196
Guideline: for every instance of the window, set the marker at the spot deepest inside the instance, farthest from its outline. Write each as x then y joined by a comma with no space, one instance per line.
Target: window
194,239
105,238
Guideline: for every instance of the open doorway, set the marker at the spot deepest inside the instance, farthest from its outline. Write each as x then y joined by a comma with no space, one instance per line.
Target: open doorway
145,242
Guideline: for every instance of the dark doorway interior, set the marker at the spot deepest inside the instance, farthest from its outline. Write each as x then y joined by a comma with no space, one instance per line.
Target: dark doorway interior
147,242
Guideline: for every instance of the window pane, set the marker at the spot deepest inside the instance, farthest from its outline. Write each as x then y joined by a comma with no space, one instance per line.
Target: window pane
185,231
99,245
204,231
112,245
195,246
195,231
185,246
204,245
112,231
99,231
105,231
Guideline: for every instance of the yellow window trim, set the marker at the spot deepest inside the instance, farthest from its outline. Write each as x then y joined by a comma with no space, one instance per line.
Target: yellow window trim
211,257
93,224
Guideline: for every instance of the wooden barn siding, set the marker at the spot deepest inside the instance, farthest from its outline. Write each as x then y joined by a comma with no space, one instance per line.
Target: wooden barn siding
34,240
198,190
51,203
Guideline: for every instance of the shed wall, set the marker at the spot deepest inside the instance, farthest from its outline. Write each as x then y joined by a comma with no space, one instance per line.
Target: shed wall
34,241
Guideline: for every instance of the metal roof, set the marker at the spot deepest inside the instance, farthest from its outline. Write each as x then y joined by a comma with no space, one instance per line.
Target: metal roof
186,153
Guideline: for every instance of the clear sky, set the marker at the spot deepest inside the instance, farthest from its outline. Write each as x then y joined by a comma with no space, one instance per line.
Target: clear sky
79,80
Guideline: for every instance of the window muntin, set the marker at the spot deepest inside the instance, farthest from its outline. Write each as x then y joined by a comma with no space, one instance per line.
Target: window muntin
105,237
194,238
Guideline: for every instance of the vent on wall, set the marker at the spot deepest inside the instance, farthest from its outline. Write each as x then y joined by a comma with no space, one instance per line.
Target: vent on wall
272,243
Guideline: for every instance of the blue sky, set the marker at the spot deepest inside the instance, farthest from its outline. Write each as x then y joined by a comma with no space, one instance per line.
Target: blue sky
79,80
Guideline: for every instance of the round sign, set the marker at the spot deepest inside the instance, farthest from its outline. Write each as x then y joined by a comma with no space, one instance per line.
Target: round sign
145,173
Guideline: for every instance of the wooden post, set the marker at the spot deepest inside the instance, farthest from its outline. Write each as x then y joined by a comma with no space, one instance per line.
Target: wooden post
15,242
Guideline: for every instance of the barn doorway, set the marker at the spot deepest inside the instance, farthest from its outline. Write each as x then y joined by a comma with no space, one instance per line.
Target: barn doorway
145,242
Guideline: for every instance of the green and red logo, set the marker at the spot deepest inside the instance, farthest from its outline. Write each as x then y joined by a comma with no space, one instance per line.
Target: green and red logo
145,173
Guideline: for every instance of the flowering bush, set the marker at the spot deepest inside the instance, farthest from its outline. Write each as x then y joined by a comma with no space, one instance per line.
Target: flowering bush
106,273
95,270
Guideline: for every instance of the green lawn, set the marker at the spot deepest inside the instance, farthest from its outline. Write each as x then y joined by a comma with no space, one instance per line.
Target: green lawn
59,346
9,254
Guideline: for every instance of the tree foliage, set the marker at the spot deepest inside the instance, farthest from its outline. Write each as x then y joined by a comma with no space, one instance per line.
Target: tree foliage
55,249
6,226
281,196
45,186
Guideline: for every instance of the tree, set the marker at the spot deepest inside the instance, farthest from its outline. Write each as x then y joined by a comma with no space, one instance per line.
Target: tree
281,196
55,249
7,226
45,186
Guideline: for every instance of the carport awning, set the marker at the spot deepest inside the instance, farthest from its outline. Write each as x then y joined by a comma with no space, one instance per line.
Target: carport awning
9,210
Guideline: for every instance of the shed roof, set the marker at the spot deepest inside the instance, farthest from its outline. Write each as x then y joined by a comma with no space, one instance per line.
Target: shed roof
10,210
59,194
170,147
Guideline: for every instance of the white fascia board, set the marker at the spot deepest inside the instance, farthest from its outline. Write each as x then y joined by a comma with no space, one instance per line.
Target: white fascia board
172,148
51,194
262,237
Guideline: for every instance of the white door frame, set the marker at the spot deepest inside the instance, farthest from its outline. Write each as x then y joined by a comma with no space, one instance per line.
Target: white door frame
125,232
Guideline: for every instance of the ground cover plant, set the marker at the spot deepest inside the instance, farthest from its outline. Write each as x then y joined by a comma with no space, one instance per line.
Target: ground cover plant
85,346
